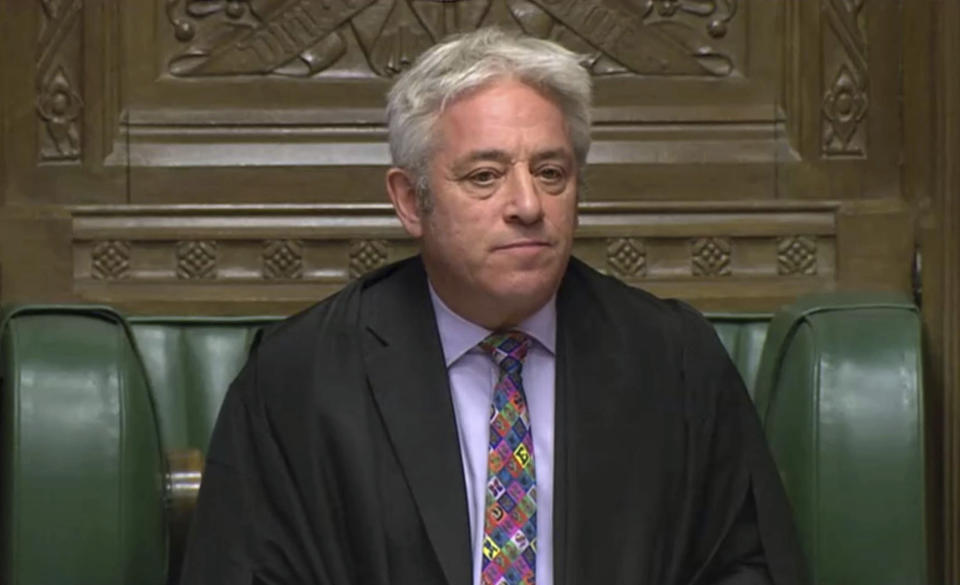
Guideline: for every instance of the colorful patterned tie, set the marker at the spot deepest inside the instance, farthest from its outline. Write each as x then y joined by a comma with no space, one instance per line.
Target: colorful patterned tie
510,522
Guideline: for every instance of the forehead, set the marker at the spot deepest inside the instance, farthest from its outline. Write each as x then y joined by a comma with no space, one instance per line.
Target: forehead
506,114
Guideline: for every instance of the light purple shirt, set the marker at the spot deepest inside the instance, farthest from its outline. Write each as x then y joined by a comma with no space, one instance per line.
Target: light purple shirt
473,375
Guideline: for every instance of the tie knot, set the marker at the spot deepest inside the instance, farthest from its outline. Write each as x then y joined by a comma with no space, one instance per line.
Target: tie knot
508,349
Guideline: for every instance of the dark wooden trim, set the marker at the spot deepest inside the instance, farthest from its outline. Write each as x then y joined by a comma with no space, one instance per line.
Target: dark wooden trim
931,183
947,204
361,209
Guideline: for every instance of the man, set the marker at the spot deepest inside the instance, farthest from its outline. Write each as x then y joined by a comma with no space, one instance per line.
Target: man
491,411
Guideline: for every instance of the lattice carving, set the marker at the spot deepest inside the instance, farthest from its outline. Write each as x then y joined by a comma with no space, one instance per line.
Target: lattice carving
303,38
365,255
710,257
197,259
110,260
856,18
626,257
51,8
845,74
283,259
59,73
797,255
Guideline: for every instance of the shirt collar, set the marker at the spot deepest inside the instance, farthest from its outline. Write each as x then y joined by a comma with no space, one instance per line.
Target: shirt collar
458,335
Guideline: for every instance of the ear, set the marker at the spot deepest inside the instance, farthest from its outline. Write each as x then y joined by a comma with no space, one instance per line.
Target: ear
576,200
402,190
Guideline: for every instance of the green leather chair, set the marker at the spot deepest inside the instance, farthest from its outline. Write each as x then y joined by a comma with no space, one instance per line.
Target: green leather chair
94,404
839,389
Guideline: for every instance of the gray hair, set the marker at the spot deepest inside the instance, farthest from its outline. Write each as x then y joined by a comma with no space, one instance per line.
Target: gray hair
466,62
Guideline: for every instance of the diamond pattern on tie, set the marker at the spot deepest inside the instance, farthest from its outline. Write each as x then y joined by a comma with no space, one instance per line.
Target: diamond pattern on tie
510,522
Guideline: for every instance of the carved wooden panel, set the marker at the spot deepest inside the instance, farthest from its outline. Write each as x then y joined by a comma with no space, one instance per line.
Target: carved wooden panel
110,260
318,71
720,255
844,77
282,259
797,255
59,72
199,123
262,100
306,38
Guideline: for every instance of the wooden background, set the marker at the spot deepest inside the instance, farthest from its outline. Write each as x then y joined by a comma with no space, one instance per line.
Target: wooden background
227,156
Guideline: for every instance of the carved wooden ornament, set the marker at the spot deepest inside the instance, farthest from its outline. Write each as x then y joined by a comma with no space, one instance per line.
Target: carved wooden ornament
304,37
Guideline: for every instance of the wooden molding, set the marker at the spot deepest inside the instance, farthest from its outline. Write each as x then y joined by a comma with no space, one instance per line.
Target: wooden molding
931,112
946,310
737,254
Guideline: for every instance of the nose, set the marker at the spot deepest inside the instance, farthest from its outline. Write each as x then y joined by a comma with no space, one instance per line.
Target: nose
524,205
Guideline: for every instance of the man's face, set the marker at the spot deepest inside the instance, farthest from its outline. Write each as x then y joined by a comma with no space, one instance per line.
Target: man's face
504,188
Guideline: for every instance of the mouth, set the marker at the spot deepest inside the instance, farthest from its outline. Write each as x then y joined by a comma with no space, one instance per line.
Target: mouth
524,245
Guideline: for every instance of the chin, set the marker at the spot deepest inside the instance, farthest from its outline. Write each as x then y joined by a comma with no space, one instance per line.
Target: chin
522,288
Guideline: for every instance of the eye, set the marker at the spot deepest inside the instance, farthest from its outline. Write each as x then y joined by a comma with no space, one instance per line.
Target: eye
551,174
483,177
552,177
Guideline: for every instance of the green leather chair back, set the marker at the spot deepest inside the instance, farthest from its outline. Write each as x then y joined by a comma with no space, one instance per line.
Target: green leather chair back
82,470
743,336
190,362
840,392
91,400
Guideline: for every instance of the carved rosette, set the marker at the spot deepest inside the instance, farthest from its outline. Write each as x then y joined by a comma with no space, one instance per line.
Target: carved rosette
710,257
110,260
366,255
844,108
302,38
282,259
626,257
846,101
797,255
197,259
59,73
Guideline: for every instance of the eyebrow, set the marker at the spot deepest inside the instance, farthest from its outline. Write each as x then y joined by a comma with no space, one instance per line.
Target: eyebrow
501,156
491,154
554,153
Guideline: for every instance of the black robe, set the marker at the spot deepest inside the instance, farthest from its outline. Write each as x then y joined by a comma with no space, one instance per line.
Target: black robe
335,458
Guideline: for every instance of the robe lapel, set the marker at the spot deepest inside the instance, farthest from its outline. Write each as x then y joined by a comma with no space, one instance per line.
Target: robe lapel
404,363
601,422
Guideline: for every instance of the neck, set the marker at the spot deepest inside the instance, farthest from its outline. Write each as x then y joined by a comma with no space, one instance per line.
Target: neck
490,313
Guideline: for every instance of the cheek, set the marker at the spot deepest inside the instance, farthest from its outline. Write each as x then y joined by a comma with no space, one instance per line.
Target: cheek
454,237
563,215
465,228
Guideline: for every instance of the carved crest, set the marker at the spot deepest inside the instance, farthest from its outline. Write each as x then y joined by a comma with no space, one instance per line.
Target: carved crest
302,38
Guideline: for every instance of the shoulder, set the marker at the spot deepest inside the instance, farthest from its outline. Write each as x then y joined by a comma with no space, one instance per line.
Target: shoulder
630,307
326,327
670,334
666,346
289,338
